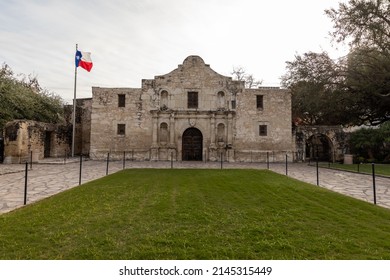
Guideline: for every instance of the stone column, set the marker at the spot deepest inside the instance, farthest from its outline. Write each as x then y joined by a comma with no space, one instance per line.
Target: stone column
172,130
154,130
212,130
230,129
172,146
154,148
213,147
230,149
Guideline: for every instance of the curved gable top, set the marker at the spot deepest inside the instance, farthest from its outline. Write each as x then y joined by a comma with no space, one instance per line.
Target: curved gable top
194,60
193,68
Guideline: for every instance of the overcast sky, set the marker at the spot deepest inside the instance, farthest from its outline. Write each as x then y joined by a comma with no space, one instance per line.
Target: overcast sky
132,40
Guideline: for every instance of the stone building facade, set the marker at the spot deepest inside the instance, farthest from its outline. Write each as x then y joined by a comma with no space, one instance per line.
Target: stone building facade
191,113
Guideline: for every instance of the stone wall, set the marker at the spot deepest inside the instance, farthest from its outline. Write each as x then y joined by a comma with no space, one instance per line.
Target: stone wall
23,139
275,114
328,143
83,126
106,116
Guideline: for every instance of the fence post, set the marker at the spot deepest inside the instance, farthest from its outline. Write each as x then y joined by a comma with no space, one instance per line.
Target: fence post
124,159
318,179
81,167
286,166
268,160
373,181
108,160
132,155
221,160
25,184
171,160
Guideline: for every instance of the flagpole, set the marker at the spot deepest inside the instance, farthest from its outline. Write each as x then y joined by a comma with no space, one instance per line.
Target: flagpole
74,108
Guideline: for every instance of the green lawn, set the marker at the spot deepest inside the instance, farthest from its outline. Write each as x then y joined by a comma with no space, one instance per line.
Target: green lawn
380,169
196,214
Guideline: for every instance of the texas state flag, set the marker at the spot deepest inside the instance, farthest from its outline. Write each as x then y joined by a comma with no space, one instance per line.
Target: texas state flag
83,59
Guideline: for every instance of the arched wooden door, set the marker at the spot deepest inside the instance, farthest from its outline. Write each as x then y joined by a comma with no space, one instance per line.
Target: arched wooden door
192,144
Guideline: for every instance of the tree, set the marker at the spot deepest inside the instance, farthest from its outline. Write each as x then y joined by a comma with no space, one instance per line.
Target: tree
239,74
356,87
365,23
25,99
314,80
367,80
348,91
317,68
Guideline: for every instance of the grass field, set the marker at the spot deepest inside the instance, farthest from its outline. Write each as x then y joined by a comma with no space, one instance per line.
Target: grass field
380,169
196,214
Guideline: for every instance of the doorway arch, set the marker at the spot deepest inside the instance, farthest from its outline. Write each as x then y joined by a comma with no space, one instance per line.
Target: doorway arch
192,144
319,147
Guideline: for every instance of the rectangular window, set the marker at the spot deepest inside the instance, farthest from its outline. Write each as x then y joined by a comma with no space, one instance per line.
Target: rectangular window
192,100
259,102
262,130
233,104
121,130
121,100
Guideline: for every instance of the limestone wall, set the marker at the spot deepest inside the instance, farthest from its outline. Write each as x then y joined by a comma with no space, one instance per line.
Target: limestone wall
24,139
275,114
106,115
329,143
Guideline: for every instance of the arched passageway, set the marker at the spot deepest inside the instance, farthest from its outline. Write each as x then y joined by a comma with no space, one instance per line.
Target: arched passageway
319,146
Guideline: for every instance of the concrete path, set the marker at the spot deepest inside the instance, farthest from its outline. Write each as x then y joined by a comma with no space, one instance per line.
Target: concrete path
45,180
356,185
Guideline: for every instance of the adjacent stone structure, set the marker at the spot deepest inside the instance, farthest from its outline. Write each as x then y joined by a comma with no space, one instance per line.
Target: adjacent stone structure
191,113
25,139
325,143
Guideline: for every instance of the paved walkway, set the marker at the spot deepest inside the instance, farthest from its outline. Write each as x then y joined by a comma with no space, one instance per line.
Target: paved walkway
356,185
48,179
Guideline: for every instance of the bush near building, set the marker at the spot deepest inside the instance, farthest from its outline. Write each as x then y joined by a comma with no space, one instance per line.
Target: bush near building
371,144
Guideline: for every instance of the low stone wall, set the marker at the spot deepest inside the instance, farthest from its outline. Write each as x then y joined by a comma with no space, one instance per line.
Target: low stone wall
26,140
